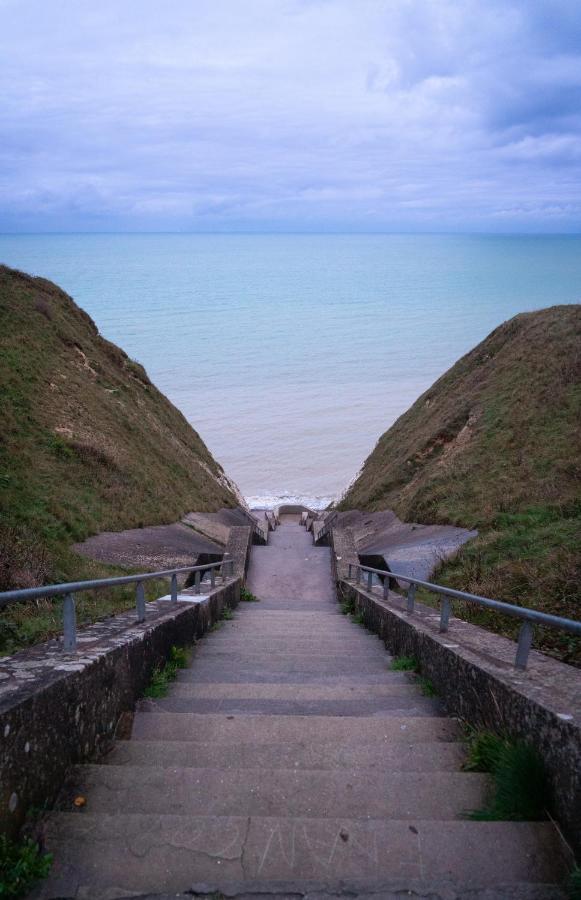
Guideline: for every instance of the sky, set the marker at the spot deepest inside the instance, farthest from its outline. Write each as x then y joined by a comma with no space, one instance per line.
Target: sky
290,115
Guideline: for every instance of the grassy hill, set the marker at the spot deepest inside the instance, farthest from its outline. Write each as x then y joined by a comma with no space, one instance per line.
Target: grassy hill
87,443
495,444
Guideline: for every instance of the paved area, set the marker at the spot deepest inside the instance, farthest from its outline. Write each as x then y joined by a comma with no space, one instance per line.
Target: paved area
290,760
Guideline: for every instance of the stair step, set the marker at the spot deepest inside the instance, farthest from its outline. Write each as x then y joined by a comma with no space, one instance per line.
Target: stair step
298,692
104,856
357,793
416,705
287,663
429,756
224,729
257,676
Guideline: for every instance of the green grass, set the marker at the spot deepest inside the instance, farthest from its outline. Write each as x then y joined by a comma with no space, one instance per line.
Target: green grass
88,445
405,664
358,619
493,445
348,607
427,687
162,676
247,596
573,885
521,791
227,614
22,864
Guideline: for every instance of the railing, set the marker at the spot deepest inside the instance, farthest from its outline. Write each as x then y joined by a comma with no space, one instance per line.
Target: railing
529,617
68,590
326,528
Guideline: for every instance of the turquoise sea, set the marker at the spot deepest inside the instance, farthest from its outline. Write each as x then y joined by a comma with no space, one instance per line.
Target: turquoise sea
291,354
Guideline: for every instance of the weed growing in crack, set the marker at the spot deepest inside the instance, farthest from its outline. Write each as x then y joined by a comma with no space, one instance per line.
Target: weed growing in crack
521,791
162,676
405,664
21,865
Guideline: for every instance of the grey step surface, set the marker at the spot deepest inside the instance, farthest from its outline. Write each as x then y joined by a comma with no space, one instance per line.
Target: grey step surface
374,706
230,729
291,753
245,690
106,856
279,792
385,756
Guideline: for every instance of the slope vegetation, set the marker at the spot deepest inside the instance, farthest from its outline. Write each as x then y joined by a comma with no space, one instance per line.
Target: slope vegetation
87,443
494,445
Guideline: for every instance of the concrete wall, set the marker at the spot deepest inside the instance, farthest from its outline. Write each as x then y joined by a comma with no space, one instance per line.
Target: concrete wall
58,710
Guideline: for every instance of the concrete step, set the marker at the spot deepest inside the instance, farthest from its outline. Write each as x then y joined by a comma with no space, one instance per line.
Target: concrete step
357,793
256,675
230,729
298,692
385,756
99,857
288,663
358,642
416,705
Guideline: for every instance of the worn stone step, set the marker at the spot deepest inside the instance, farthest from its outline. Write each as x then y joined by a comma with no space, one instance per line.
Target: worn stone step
416,705
360,641
212,653
232,729
287,663
298,692
279,792
382,755
256,675
98,857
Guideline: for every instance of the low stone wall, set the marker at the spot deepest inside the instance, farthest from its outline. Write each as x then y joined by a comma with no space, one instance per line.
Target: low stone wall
239,547
473,673
57,710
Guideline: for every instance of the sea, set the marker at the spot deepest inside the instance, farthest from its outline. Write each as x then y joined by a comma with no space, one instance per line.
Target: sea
291,354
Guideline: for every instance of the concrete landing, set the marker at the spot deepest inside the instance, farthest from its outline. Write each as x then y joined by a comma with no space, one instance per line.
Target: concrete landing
288,760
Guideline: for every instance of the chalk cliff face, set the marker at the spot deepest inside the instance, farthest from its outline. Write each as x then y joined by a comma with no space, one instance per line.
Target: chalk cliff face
87,442
494,445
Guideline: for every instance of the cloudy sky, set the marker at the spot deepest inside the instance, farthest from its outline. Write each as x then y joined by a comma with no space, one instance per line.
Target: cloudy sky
366,115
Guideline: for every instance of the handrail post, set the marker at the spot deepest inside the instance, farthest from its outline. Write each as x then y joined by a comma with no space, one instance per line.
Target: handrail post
525,640
174,588
411,598
386,588
350,571
445,613
369,581
140,601
197,580
69,624
212,577
358,575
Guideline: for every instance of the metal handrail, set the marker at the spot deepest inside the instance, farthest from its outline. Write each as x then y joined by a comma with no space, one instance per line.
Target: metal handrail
68,589
528,616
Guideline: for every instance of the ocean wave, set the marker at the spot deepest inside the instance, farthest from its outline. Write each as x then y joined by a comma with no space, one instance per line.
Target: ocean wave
270,500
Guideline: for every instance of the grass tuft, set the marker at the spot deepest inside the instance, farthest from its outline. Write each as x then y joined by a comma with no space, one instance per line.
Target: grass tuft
247,596
227,614
521,791
161,677
405,664
21,865
427,687
573,885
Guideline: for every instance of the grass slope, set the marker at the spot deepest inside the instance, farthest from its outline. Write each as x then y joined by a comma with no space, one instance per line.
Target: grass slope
494,445
87,443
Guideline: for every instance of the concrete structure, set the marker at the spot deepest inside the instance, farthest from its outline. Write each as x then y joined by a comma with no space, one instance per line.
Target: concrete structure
289,760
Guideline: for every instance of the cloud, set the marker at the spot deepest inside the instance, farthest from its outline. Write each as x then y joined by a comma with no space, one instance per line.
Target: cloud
385,114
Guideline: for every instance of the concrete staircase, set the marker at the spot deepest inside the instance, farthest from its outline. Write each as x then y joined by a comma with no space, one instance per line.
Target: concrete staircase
289,759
